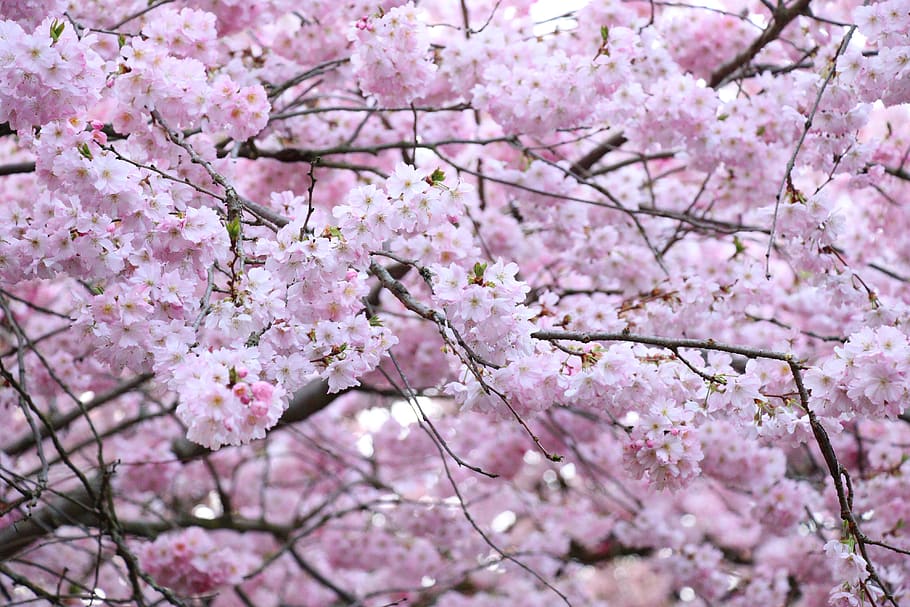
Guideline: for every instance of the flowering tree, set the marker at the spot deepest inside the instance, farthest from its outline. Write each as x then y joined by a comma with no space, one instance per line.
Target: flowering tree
366,302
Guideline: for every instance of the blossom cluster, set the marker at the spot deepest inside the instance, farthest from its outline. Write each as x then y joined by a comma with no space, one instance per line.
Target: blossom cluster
866,376
486,302
717,46
809,228
883,74
47,73
552,91
449,232
414,203
222,399
30,13
240,111
391,59
164,69
665,447
184,33
191,562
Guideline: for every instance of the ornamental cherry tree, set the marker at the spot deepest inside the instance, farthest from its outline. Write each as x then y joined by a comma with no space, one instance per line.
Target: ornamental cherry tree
455,304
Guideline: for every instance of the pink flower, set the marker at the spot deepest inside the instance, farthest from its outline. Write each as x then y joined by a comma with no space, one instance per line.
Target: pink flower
391,56
262,391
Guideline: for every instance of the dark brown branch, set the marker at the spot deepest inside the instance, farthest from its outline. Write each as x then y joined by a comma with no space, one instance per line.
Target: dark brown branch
780,19
323,580
301,155
663,342
17,168
584,164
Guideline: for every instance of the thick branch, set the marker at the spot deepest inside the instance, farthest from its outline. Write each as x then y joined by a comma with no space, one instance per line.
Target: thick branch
17,168
584,164
781,19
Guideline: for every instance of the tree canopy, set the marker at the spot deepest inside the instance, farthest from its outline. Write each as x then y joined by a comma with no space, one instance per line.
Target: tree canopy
457,304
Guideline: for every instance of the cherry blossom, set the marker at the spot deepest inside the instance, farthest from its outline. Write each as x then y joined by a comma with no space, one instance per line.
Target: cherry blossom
454,303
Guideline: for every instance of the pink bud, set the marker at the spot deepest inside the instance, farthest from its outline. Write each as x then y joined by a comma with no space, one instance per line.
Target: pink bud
262,391
242,391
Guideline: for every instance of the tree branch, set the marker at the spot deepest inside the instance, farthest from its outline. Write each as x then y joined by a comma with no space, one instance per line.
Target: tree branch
77,508
781,18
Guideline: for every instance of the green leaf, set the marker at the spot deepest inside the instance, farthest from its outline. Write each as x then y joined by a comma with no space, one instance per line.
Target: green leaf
437,176
85,151
740,247
605,33
57,28
375,321
233,229
479,269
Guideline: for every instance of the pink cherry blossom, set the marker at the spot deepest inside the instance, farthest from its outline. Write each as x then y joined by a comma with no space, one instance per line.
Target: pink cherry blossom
454,303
